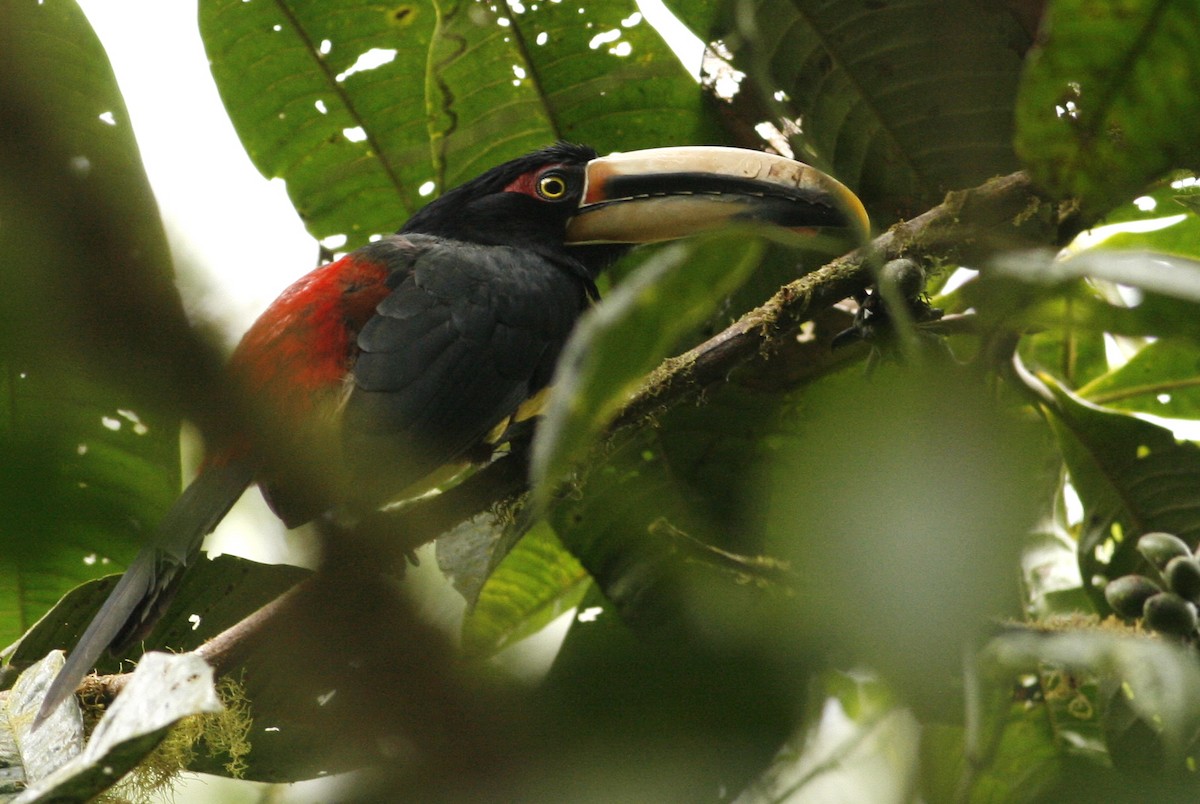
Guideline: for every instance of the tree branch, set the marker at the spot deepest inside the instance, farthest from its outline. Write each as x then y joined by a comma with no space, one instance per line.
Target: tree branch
967,227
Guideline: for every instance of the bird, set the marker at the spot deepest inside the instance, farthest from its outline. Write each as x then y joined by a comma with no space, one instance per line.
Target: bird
422,349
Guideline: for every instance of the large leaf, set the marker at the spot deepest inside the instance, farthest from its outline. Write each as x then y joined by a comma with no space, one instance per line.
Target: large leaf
1031,290
1132,477
1162,218
213,596
862,747
84,477
1073,352
902,101
1163,379
535,583
444,90
703,718
89,318
1108,100
1059,736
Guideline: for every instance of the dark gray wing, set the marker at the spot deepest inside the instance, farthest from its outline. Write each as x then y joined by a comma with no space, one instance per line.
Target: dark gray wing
468,333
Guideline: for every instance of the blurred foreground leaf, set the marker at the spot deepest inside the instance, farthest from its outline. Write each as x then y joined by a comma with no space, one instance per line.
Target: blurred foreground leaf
92,334
894,500
617,343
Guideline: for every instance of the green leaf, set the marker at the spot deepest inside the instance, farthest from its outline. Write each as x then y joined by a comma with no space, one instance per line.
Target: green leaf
607,78
644,535
214,595
536,582
703,719
881,94
1050,577
1036,290
1167,198
1158,680
1026,758
1163,274
1163,378
860,746
466,88
1180,239
85,475
89,319
1131,476
617,343
1075,353
1108,101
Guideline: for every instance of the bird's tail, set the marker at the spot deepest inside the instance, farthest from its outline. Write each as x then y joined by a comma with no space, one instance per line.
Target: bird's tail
150,582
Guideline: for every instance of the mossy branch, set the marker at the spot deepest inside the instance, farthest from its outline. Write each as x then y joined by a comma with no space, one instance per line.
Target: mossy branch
968,226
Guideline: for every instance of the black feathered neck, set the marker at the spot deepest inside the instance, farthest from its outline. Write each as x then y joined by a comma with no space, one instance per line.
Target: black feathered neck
480,211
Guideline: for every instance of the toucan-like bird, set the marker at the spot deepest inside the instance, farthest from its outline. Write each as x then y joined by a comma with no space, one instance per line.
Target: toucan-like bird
410,353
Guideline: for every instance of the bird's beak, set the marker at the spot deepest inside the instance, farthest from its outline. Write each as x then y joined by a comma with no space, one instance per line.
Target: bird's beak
666,193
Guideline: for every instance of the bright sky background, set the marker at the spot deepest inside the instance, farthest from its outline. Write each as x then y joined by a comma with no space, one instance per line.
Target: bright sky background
236,238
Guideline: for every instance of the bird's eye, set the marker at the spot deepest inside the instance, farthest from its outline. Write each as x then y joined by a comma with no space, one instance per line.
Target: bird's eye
552,187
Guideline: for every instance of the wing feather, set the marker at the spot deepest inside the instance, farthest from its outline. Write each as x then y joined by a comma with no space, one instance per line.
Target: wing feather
468,333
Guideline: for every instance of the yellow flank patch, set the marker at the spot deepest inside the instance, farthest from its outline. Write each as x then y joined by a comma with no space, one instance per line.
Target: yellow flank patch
496,432
533,406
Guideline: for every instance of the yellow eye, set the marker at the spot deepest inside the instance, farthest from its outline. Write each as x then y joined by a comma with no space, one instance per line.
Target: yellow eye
552,187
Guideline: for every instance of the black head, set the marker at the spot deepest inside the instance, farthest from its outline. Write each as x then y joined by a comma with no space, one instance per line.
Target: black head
525,202
581,211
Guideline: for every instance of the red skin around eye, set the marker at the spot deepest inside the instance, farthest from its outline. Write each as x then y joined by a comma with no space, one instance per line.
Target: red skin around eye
526,183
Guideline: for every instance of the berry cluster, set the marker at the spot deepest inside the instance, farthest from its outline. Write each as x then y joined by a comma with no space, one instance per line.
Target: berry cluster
1171,611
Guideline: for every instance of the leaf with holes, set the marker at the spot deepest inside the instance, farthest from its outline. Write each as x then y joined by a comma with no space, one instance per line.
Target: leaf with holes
88,458
366,110
902,101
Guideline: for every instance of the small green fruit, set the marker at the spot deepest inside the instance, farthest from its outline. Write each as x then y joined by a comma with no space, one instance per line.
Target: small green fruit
1170,614
1159,548
906,275
1182,575
1128,595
